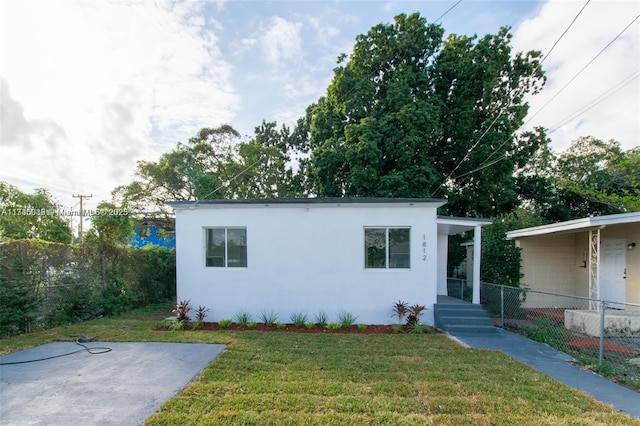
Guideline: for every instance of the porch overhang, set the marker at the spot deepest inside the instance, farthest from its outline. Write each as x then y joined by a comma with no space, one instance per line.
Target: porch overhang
577,225
448,225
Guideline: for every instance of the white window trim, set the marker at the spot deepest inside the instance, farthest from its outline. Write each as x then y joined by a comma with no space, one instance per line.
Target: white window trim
386,249
226,247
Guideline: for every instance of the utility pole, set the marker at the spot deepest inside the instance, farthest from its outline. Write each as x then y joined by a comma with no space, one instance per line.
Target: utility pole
82,197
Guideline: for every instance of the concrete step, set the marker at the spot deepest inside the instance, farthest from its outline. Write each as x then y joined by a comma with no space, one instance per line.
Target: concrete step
464,320
459,306
460,312
470,329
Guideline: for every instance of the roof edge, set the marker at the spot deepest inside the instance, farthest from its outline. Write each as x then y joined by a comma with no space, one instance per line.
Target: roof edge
301,201
575,225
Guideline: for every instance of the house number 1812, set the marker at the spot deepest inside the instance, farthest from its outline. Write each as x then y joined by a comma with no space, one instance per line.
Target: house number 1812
424,247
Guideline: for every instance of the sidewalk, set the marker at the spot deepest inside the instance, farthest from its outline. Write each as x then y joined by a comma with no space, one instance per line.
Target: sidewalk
558,365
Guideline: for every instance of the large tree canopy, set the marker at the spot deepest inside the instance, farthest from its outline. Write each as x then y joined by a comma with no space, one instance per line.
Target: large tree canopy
410,115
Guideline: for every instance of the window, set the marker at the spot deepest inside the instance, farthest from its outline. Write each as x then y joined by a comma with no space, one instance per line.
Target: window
387,248
226,247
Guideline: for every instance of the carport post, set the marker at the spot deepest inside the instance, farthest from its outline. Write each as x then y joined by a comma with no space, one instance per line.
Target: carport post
477,252
603,308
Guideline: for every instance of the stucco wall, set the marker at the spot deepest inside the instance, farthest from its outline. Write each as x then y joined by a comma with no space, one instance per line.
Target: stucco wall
306,258
554,263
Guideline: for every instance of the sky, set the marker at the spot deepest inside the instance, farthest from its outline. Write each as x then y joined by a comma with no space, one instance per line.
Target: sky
88,88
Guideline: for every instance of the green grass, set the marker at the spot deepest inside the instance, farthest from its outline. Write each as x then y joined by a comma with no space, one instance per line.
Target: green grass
291,378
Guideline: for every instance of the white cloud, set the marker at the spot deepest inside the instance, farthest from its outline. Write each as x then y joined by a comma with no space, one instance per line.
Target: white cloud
617,116
113,79
281,40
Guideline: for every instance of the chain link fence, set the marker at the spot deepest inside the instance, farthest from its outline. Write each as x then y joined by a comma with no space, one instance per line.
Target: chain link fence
602,335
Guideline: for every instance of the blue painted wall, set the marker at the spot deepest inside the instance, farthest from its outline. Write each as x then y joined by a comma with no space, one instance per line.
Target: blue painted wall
153,237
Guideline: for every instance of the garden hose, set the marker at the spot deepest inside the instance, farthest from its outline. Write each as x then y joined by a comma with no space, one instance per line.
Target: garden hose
80,340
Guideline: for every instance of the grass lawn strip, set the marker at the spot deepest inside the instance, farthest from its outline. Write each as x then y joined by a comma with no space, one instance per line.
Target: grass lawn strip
289,378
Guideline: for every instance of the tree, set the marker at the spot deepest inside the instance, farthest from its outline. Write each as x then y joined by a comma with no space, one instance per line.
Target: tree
110,231
591,177
500,257
408,115
598,177
34,215
191,171
265,167
216,163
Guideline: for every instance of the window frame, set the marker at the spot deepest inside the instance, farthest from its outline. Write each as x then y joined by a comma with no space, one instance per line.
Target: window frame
225,260
388,248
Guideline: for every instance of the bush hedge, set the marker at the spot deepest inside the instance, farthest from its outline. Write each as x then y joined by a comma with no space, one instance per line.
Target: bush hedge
45,284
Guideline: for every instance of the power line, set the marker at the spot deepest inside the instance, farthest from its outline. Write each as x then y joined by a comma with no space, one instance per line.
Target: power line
564,32
485,165
563,122
230,180
466,157
582,69
611,91
448,10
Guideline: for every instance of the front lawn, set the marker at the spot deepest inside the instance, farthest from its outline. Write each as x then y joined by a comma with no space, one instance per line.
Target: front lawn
291,378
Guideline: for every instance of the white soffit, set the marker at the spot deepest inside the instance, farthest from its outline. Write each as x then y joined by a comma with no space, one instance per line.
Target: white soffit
454,225
576,225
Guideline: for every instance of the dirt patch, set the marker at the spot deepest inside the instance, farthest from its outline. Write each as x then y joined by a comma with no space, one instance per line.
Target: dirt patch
291,328
594,344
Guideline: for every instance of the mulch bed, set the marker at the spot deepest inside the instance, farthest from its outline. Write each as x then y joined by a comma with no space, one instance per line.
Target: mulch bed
291,328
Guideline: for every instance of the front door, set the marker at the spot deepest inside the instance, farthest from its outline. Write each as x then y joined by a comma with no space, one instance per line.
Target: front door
613,261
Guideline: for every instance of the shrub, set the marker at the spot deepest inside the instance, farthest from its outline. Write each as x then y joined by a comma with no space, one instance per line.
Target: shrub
280,325
177,325
546,331
346,319
333,326
46,284
362,327
400,310
310,325
321,318
224,323
420,328
243,317
201,313
414,314
252,324
156,274
182,310
117,299
298,319
269,318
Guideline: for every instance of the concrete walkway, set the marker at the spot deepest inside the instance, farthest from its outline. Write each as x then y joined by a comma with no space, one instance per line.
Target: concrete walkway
557,365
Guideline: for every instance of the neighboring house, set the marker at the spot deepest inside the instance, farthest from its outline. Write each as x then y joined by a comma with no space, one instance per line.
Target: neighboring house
153,236
597,257
358,255
158,231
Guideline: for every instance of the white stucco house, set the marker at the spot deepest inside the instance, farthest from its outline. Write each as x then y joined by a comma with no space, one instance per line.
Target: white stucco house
358,255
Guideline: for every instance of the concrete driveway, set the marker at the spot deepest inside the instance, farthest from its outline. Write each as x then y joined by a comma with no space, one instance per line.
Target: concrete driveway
121,387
